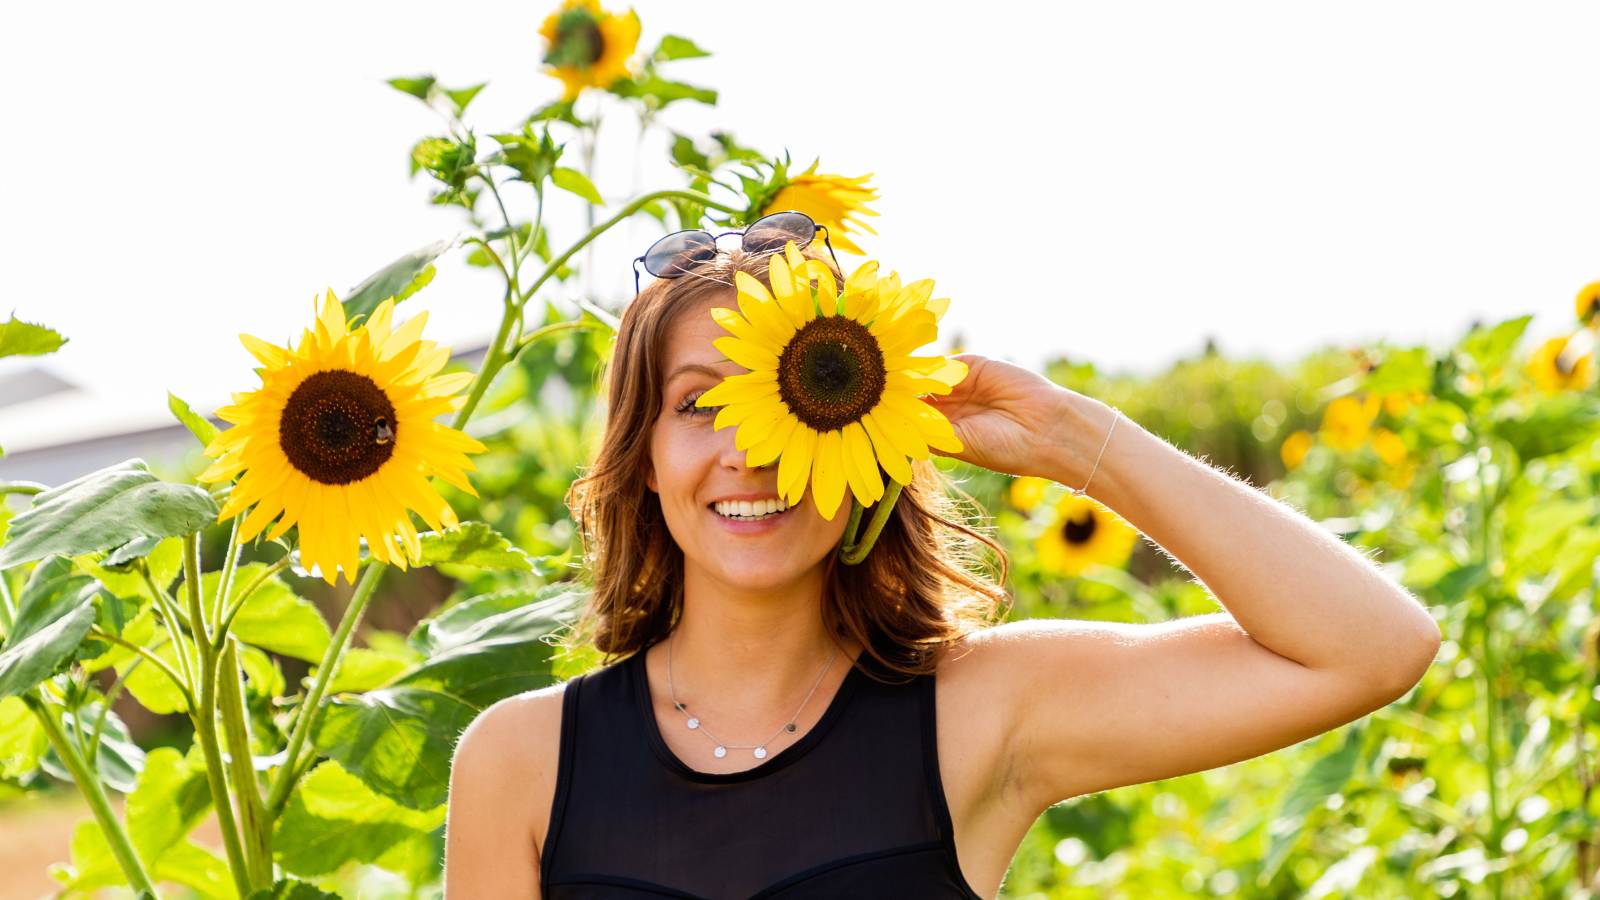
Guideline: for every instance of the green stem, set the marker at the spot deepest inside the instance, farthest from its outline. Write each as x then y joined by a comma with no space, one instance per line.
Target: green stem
173,620
225,582
226,622
851,555
89,783
511,232
1486,504
854,525
205,720
163,665
8,604
246,783
305,718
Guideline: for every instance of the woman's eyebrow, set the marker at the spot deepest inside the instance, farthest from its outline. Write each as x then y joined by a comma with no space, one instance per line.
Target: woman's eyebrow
693,367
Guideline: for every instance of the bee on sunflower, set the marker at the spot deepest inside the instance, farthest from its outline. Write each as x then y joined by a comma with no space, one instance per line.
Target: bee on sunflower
588,46
340,440
832,392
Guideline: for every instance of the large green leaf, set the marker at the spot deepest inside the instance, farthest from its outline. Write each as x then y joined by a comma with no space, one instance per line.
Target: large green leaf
275,617
399,741
444,628
474,544
119,760
399,279
105,509
19,338
1326,777
498,656
53,616
1554,424
292,889
22,739
151,686
332,819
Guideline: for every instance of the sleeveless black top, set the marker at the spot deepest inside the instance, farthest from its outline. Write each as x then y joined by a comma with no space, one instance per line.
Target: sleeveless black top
853,808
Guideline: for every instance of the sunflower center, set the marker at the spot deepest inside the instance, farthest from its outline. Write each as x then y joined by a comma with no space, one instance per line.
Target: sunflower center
831,373
1078,530
338,427
579,43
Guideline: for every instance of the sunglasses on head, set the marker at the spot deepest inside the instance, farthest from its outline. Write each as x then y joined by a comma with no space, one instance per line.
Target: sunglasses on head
679,252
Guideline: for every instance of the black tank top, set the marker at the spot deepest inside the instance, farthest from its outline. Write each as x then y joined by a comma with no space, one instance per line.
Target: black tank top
853,808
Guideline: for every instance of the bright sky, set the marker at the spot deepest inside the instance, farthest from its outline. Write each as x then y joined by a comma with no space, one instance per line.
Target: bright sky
1112,182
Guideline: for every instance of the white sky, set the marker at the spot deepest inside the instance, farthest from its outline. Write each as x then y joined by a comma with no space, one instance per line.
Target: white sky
1112,182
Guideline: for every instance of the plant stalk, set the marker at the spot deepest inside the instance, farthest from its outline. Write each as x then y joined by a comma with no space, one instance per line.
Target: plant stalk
246,783
1490,666
851,554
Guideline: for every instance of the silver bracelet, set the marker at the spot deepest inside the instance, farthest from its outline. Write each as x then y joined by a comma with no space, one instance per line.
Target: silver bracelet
1117,414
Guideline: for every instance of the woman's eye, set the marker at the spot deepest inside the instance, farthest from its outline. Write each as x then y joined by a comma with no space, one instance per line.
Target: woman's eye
687,407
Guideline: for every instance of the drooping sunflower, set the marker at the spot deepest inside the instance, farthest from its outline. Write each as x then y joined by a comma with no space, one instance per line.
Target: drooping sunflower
1081,533
832,392
837,201
340,439
587,46
1562,363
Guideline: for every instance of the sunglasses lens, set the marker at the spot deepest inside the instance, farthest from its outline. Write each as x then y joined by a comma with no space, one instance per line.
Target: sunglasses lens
677,253
770,233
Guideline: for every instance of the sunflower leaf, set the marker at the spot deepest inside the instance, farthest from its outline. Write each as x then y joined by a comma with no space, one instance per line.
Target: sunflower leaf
54,613
104,510
397,740
399,279
474,544
674,47
293,889
333,818
19,338
575,182
198,425
274,617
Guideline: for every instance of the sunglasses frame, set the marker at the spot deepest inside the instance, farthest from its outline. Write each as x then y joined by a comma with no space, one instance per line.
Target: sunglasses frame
815,227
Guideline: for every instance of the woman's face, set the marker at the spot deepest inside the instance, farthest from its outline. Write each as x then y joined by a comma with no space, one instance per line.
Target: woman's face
692,468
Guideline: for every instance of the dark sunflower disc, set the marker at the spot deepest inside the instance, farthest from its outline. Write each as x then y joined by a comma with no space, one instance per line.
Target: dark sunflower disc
337,427
831,373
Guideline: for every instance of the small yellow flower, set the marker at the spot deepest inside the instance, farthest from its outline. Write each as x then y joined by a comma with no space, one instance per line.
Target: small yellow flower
340,439
1588,303
1395,403
1084,533
587,46
1559,364
1295,447
1026,492
1389,447
1346,421
836,201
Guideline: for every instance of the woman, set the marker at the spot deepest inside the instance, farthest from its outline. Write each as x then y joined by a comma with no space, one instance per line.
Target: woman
784,725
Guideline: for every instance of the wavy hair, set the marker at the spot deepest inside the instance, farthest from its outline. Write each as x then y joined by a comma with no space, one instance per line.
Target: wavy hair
925,584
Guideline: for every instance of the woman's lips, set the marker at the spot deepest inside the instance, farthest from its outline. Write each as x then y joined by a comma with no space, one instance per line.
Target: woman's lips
751,526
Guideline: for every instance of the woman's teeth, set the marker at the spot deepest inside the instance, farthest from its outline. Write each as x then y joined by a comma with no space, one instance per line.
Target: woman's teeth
747,509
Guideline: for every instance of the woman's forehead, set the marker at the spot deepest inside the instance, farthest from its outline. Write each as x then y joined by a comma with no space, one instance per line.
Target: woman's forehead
690,336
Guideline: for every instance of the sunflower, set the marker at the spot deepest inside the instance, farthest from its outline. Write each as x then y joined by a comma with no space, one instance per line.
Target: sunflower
1295,447
837,201
340,439
1082,533
588,46
833,390
1347,420
1562,363
1588,304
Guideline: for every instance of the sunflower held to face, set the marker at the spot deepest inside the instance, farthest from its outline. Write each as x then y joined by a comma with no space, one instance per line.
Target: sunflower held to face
588,46
832,392
340,439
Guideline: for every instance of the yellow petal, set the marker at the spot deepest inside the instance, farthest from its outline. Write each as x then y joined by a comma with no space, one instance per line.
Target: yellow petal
764,453
861,468
758,427
746,354
827,474
729,391
736,413
901,431
893,461
740,327
794,466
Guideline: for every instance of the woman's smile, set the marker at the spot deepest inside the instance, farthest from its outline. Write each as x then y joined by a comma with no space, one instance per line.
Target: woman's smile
750,517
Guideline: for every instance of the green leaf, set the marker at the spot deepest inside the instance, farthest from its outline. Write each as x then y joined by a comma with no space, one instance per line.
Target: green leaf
418,87
332,818
1401,371
533,155
151,686
291,889
573,181
366,669
106,509
1490,346
1554,424
674,47
263,677
399,279
398,741
19,338
53,616
119,760
22,739
557,111
198,425
163,561
657,92
500,655
474,544
275,617
447,628
460,97
1326,777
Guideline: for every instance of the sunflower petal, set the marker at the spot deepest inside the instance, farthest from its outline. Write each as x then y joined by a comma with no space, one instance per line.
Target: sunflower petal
746,354
740,327
729,391
758,427
893,461
794,466
827,474
764,453
901,431
861,466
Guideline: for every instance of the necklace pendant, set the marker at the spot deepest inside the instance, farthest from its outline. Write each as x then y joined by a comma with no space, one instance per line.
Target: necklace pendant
761,753
720,752
693,722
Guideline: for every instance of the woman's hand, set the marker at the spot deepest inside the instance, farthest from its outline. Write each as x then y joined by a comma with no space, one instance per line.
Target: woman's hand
1009,419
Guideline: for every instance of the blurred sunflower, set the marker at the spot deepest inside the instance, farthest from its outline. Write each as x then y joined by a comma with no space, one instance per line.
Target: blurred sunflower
587,46
340,440
1347,420
1026,491
1395,403
832,392
1589,303
1082,533
837,201
1295,447
1562,363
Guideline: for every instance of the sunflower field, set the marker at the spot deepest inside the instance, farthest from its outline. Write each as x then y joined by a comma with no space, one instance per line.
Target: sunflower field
307,608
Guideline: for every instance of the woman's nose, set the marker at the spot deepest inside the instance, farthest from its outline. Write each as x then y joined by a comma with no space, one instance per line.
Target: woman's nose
732,457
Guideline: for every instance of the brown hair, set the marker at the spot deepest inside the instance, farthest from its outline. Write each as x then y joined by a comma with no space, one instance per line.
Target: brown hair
922,585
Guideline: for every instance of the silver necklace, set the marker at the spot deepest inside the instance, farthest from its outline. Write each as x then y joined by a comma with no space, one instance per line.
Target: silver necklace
721,748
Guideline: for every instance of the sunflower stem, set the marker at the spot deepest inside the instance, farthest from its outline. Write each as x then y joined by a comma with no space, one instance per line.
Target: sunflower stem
246,786
171,619
853,554
95,793
230,561
511,232
226,622
305,718
205,720
852,527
